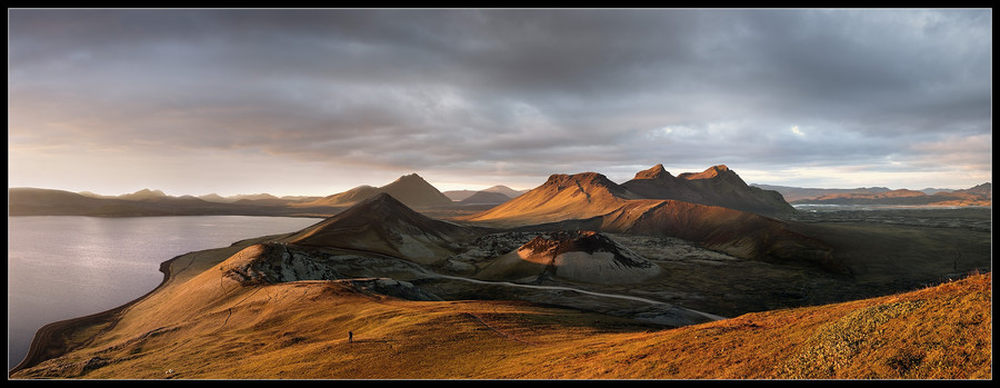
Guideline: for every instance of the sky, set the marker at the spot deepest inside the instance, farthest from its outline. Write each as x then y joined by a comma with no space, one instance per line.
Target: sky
314,102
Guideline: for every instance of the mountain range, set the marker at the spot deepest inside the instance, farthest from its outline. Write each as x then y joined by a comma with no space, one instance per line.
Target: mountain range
459,195
715,186
980,195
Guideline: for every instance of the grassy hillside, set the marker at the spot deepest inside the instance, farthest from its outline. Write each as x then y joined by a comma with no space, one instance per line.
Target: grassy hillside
203,325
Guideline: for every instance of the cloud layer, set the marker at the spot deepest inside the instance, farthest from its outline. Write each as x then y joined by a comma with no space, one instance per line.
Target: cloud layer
506,96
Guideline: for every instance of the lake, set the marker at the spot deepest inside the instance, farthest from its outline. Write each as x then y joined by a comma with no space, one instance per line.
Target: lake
61,267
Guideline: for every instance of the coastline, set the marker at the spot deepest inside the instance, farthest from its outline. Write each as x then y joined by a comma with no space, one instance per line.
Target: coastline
44,343
43,339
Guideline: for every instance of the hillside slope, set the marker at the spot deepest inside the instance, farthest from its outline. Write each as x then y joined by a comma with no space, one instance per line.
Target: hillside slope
385,225
561,197
738,233
298,329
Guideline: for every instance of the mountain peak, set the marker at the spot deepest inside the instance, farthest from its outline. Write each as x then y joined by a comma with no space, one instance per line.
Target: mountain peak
716,186
583,177
414,191
411,176
654,172
383,224
709,173
561,197
143,194
148,191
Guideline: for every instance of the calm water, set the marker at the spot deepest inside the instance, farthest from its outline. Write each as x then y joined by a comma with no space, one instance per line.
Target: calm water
65,267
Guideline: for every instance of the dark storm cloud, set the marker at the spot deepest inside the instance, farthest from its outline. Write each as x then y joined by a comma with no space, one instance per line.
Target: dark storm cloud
540,91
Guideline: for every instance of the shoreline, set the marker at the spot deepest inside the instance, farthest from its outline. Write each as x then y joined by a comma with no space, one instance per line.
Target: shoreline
297,215
43,338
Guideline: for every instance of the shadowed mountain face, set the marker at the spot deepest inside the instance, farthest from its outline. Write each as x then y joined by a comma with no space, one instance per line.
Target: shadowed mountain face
384,225
716,186
411,190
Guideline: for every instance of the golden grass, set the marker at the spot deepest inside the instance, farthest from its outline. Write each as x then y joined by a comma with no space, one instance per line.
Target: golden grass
201,329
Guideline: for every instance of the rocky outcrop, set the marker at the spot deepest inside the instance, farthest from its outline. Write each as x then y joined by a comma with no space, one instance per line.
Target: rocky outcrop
580,256
272,263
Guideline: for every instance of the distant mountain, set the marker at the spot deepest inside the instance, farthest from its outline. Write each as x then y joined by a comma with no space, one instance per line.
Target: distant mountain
793,194
26,201
300,198
213,197
984,190
254,197
980,195
348,197
901,193
144,194
411,190
32,201
932,191
505,191
385,225
458,195
94,195
257,199
484,198
716,186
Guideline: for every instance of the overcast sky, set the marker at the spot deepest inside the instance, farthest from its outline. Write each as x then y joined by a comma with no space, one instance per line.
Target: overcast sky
319,101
